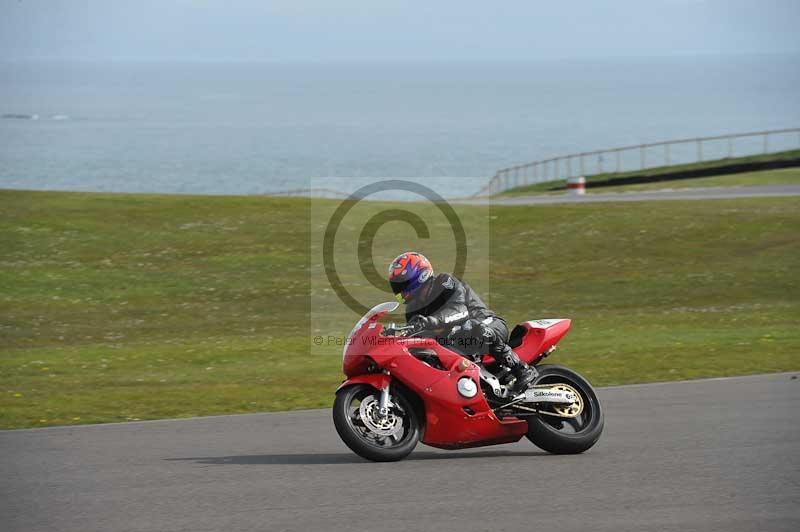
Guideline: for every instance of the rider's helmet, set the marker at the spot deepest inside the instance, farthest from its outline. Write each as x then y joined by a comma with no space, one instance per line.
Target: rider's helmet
407,273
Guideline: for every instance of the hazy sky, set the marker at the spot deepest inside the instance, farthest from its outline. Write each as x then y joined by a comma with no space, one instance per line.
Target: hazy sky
330,30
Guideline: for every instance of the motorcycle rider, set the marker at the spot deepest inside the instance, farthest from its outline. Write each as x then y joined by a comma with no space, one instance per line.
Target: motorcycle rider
450,309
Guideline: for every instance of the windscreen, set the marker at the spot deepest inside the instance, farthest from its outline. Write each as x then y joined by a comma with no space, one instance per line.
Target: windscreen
380,309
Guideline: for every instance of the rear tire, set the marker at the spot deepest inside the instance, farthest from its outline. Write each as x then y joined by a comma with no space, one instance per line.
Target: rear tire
356,433
561,435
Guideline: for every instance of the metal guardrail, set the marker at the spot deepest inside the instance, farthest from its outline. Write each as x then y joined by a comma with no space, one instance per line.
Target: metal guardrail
641,156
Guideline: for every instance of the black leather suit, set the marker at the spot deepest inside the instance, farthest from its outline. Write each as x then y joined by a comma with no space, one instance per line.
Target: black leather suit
466,323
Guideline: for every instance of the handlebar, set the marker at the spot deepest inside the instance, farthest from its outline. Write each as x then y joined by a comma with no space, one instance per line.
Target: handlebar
393,330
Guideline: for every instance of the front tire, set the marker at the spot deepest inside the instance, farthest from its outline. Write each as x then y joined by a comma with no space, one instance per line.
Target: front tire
378,439
567,435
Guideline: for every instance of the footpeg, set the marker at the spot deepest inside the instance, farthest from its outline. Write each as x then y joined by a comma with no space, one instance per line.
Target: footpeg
504,375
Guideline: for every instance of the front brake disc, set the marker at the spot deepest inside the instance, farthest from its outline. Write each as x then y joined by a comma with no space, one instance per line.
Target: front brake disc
388,425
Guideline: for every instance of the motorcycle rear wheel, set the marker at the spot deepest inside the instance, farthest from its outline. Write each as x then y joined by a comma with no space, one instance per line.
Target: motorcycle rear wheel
358,434
560,435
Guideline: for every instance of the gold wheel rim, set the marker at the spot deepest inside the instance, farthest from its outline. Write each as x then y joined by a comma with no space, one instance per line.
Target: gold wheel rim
572,410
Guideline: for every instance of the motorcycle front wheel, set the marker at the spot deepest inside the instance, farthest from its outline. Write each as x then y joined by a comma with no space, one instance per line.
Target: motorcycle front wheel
566,430
378,438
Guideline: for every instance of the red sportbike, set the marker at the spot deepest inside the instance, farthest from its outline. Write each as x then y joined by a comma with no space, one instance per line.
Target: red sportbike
403,388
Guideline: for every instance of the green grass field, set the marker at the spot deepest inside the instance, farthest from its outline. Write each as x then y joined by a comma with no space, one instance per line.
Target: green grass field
124,307
767,177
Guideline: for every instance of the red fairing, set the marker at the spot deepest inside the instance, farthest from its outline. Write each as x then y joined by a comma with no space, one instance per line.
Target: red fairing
379,381
451,420
541,335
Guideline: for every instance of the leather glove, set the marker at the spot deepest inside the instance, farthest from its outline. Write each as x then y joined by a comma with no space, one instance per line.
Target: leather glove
423,323
470,324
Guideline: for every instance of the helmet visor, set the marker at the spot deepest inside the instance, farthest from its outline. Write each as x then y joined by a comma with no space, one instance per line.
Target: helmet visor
398,286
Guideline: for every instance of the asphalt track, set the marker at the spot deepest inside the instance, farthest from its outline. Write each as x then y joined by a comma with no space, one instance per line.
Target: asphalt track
701,455
757,191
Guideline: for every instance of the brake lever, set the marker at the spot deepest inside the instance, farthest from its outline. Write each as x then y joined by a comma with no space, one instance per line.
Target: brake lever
394,330
405,331
412,333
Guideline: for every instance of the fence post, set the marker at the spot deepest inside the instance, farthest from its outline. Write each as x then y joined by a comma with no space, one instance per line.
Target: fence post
583,170
599,163
619,162
569,166
699,149
576,185
641,157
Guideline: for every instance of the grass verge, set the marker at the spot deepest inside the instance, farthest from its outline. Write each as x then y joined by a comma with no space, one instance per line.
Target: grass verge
125,307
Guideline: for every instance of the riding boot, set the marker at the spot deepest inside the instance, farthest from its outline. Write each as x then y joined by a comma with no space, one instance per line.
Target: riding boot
523,373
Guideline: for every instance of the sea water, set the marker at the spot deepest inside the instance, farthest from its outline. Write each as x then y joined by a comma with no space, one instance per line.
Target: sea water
254,128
